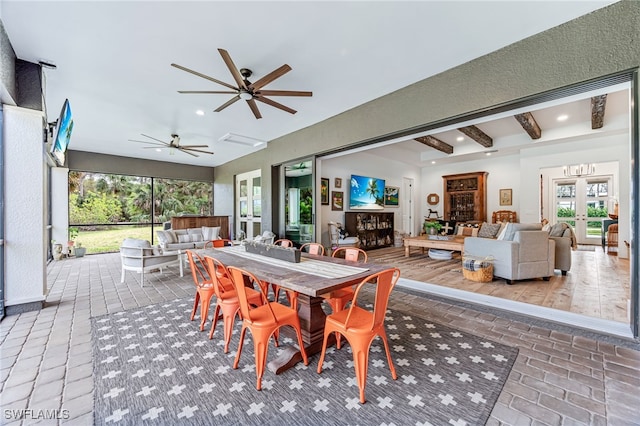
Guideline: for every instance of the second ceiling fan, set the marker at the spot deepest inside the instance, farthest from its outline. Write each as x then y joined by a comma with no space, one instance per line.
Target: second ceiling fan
245,90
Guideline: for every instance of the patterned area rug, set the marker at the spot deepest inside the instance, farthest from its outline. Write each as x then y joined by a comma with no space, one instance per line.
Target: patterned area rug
153,366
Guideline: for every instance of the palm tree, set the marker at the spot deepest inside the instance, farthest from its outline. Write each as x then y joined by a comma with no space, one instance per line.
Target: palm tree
372,189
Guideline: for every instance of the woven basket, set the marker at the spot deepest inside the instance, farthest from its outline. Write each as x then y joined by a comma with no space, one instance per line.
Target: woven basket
482,275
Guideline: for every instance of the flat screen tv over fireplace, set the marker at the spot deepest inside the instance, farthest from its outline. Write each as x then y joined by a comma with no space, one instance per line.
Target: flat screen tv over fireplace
367,193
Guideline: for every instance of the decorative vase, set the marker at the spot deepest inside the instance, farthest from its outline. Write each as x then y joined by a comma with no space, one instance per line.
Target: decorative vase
57,251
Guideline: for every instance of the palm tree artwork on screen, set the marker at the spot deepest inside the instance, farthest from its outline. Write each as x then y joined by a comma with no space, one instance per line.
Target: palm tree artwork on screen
366,193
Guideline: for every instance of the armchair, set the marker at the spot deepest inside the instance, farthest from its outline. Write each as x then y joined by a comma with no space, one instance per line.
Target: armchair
531,254
139,256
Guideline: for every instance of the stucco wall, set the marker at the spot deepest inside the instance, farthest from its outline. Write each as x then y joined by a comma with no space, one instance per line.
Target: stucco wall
598,44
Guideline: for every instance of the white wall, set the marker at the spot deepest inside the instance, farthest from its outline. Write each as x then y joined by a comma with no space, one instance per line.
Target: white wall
365,164
25,207
60,205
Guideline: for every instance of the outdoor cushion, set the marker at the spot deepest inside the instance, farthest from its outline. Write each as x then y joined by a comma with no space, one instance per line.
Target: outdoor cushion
210,233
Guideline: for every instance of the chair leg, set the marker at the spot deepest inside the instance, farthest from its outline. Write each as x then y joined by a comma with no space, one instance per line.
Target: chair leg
204,310
324,349
122,276
214,320
196,300
142,278
228,318
360,363
237,360
383,336
260,348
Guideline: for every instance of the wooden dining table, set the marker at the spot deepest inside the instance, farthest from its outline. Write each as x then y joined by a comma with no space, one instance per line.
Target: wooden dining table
309,283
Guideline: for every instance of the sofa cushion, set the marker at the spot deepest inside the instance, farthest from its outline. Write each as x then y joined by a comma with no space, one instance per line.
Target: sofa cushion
489,230
184,238
210,233
166,237
194,238
509,231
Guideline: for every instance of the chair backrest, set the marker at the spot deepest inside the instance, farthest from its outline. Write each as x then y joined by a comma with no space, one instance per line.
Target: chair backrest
219,275
223,242
334,235
238,279
283,242
504,216
352,254
384,281
313,248
199,273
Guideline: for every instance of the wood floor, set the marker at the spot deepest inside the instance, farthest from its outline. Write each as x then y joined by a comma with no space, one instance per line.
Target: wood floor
598,284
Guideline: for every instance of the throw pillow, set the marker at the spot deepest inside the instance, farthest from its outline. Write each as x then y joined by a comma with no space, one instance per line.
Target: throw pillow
194,238
557,230
184,238
210,233
468,231
166,237
489,230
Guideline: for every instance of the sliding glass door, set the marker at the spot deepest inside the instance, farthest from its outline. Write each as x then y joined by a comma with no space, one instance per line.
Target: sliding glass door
248,205
299,201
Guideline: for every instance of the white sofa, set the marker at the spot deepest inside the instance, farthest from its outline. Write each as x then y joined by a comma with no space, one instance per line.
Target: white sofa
140,256
187,239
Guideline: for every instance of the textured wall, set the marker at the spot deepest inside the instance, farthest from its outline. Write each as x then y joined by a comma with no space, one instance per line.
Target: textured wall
25,208
8,90
601,43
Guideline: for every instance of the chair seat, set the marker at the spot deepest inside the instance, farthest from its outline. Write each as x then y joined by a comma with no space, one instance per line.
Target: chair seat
360,321
261,316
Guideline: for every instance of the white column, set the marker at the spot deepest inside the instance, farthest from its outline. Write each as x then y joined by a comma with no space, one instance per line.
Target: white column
25,206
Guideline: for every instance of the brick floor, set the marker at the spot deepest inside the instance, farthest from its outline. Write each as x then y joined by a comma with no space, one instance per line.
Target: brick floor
559,377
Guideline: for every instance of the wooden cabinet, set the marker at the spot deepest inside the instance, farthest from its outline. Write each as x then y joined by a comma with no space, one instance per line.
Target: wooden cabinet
374,230
185,222
465,197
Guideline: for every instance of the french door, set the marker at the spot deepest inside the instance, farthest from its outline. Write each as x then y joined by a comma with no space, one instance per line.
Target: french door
583,202
248,205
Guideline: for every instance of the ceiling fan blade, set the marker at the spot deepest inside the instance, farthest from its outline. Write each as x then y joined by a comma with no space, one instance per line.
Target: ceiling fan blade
283,93
194,146
150,143
232,67
226,104
254,108
270,77
155,147
275,104
187,152
157,140
206,77
198,150
208,92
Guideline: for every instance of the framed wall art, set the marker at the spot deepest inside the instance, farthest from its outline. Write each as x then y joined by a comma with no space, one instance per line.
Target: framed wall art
505,197
391,196
337,200
338,182
324,191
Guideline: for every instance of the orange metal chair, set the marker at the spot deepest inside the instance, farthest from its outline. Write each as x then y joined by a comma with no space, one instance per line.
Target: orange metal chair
204,287
360,326
226,298
263,321
283,242
223,242
313,248
338,299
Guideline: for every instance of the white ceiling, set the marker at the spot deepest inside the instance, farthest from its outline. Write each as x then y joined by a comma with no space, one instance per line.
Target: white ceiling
113,61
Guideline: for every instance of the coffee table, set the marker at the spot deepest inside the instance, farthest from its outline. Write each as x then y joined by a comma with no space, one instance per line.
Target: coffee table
453,243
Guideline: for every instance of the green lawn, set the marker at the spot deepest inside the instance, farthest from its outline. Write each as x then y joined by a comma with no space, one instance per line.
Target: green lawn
109,240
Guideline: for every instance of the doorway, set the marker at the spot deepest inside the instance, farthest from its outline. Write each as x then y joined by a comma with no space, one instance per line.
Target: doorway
583,203
248,205
299,201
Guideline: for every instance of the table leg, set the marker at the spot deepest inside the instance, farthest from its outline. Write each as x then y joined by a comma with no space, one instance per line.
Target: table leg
406,251
312,318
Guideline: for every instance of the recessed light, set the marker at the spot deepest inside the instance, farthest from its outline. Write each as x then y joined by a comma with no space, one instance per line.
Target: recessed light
460,138
488,154
562,117
158,150
433,162
200,112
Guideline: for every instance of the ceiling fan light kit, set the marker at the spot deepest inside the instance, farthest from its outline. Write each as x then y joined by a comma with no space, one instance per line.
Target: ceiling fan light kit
244,89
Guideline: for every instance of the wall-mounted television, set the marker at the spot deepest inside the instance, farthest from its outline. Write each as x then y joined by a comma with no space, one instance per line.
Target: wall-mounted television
62,134
366,193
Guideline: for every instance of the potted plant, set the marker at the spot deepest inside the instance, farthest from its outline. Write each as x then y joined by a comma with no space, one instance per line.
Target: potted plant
79,251
432,227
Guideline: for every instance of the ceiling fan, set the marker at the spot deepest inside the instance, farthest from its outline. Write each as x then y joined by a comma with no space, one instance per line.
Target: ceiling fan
245,90
173,144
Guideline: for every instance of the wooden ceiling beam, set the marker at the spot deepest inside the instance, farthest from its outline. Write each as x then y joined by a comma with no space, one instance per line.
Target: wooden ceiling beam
598,104
529,124
436,144
477,135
